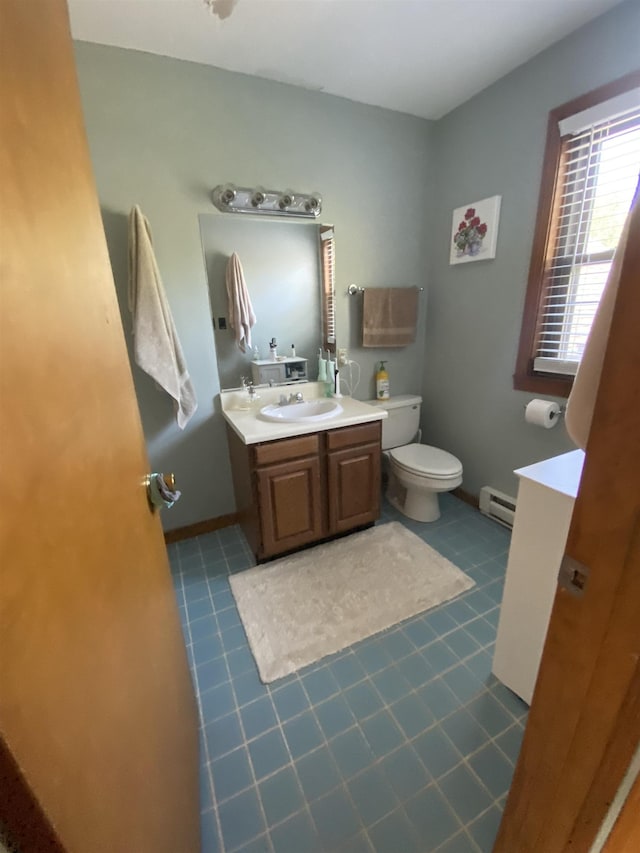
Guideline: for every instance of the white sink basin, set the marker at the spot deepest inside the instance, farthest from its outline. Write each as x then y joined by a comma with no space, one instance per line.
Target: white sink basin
294,413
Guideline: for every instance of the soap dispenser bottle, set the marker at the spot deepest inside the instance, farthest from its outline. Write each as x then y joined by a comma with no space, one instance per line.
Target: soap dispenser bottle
382,383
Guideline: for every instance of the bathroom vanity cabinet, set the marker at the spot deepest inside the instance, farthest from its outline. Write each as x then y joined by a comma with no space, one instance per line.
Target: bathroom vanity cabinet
294,491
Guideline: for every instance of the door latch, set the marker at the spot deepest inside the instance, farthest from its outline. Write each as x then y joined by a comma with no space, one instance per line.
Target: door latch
573,575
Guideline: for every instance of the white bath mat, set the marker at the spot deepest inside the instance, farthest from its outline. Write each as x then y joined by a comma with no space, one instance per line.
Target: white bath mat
297,610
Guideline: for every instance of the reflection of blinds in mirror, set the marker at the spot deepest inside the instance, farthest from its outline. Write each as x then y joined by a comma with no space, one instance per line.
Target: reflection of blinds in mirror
327,255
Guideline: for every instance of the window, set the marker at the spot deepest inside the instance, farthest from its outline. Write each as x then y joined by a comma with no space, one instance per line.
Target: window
591,167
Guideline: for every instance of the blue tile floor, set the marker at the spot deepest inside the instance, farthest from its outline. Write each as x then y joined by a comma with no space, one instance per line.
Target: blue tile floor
402,743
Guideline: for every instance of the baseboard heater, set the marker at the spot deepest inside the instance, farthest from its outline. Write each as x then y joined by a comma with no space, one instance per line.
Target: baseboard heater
497,505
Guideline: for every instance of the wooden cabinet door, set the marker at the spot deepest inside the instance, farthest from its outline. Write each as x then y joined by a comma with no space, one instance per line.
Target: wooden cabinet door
290,505
353,487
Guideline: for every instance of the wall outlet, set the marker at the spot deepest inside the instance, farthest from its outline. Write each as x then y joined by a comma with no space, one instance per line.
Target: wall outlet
343,356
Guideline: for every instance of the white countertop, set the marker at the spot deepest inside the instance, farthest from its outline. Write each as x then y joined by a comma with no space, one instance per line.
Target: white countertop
253,430
560,473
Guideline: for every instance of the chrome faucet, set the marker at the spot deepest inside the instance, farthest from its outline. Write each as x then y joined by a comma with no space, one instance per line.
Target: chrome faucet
296,398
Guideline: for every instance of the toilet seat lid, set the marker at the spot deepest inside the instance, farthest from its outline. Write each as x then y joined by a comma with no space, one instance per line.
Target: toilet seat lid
427,460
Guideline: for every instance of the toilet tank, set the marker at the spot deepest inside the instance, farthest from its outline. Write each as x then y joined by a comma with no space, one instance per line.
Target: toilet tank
401,425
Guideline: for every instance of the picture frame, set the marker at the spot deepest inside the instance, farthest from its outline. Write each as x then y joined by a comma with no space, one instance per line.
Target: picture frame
474,231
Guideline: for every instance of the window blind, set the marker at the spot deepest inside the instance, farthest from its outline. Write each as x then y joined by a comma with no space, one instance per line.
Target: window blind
327,249
598,175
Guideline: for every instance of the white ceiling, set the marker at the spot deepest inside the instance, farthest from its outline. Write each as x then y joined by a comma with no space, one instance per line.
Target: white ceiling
422,57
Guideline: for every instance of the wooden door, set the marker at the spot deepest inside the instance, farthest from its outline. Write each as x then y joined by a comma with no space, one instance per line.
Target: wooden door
98,725
584,723
290,505
353,477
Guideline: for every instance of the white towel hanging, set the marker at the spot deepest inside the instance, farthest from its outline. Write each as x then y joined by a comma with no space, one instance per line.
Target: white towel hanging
241,316
156,347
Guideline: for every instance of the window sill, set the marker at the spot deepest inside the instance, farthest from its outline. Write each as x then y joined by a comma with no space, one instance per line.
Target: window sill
554,386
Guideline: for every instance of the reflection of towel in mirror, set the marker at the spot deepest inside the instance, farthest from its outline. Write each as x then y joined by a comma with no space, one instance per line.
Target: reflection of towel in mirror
241,316
389,316
156,346
582,399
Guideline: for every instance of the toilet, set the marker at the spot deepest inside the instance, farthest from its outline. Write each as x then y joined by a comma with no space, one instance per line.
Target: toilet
417,472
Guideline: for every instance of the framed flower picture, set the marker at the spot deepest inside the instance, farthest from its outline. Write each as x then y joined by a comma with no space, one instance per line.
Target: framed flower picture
474,231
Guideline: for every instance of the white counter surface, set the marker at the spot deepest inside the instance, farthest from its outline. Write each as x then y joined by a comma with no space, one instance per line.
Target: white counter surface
252,430
560,473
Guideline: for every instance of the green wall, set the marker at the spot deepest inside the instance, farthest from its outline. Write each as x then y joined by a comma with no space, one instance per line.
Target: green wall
493,145
163,133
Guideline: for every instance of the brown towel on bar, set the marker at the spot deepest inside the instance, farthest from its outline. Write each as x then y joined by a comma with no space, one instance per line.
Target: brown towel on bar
389,316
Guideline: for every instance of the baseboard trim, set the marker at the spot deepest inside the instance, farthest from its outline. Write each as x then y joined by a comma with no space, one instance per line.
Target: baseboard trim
467,497
200,527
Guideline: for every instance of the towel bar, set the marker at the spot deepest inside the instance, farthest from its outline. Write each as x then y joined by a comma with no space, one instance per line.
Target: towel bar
353,289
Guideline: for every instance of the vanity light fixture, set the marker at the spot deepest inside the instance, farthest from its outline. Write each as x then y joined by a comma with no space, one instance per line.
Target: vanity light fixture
255,200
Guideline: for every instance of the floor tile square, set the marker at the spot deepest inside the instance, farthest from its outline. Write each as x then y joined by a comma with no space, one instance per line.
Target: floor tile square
335,818
490,714
302,734
200,607
231,774
234,638
373,656
395,833
207,649
437,752
205,626
241,819
462,643
320,684
465,732
268,753
391,684
397,644
415,669
209,832
482,632
296,835
240,661
511,741
463,683
431,817
223,735
480,665
228,618
485,829
465,794
511,702
351,753
460,843
372,795
358,844
217,702
363,700
318,773
440,621
420,632
440,700
290,700
405,772
248,688
493,769
334,716
480,601
347,671
382,733
412,715
439,656
258,717
281,796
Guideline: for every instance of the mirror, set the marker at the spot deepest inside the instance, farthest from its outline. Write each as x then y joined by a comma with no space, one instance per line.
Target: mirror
283,273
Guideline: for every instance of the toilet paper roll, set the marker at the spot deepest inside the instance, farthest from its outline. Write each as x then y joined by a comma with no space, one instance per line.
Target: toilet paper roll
542,413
